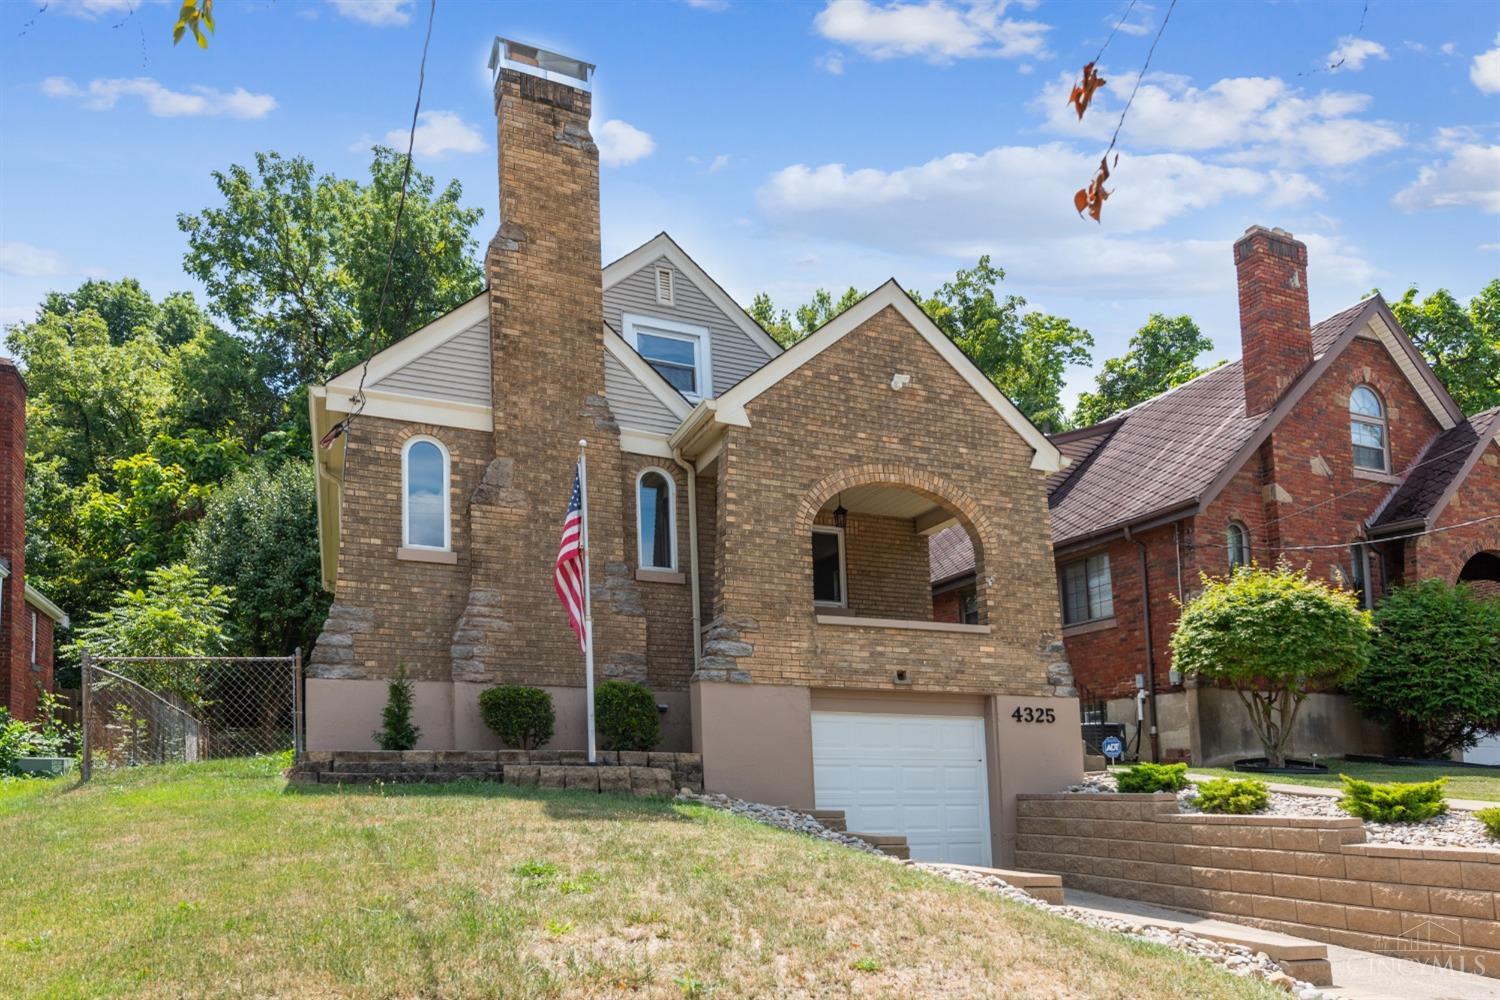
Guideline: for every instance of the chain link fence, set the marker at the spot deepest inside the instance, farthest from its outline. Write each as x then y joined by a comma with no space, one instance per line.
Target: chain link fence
138,710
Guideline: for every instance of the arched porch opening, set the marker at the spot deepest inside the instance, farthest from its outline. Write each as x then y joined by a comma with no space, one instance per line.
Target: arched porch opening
1482,573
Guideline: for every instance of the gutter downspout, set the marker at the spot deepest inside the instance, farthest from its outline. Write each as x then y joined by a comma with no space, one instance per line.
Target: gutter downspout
696,597
1150,644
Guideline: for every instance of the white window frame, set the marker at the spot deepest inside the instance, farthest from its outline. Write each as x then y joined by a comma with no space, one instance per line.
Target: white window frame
698,335
1062,589
406,541
1243,548
1383,422
843,601
640,534
33,637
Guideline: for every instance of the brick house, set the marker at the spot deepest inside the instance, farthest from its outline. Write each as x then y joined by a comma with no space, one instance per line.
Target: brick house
28,619
760,520
1331,445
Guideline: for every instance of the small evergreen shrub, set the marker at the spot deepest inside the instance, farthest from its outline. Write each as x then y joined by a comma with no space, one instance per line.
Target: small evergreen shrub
1228,795
1146,777
396,731
1394,801
521,716
1491,819
626,716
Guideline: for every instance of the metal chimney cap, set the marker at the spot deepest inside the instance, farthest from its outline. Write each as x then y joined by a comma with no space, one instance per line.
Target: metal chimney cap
507,53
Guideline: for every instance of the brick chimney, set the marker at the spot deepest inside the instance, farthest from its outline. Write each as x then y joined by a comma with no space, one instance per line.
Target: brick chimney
1275,325
17,688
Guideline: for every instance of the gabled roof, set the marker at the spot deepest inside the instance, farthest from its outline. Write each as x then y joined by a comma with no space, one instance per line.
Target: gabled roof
662,245
40,601
649,377
1171,455
1436,475
729,408
950,554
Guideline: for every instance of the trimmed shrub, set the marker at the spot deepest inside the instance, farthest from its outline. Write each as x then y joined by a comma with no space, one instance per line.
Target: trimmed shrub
1230,795
396,731
1491,819
521,716
626,716
1146,777
1434,674
1394,801
1274,636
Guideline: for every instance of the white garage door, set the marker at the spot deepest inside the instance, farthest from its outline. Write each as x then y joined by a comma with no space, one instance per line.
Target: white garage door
922,776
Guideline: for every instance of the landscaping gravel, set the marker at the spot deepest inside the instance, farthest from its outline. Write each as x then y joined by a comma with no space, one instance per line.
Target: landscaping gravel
1452,829
1237,959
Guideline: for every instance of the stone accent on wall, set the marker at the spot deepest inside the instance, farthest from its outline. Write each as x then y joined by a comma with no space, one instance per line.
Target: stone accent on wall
333,654
619,772
1310,877
473,647
724,644
1059,670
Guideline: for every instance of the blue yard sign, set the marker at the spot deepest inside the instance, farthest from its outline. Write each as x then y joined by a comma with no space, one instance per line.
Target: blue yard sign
1113,747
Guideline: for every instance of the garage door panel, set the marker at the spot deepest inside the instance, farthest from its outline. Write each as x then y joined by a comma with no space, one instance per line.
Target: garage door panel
923,777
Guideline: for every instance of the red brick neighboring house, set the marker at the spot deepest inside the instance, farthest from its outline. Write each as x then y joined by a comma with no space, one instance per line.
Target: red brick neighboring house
27,617
1330,445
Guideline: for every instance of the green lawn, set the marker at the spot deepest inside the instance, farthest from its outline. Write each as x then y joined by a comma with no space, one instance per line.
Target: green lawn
218,880
1463,782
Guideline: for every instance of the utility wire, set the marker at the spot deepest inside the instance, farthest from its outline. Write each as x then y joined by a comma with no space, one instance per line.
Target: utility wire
1149,53
390,260
1119,24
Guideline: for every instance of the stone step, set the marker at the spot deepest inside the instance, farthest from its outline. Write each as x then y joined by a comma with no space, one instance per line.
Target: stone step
890,844
1043,885
372,777
833,819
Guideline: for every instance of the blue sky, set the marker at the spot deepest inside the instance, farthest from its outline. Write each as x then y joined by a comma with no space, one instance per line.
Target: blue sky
796,145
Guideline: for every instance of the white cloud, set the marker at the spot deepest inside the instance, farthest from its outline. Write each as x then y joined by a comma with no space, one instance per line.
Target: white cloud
1253,118
380,13
1448,48
1351,53
719,163
26,261
91,9
832,62
1291,189
621,143
713,5
438,133
1485,70
104,94
939,31
1468,178
1140,26
1490,247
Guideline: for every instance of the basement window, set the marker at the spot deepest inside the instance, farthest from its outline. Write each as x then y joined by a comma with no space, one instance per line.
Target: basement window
1367,430
1087,594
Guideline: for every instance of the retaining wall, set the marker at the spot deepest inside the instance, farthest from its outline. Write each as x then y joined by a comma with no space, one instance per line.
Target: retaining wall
1311,877
621,772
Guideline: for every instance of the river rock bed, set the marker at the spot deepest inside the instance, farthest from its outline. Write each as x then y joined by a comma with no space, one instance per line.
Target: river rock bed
1236,959
1454,828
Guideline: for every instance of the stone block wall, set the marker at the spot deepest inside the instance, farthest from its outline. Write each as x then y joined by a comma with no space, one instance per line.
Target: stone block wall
618,771
1310,877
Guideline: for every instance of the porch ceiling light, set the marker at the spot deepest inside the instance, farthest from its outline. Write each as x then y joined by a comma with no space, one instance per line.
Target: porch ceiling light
840,515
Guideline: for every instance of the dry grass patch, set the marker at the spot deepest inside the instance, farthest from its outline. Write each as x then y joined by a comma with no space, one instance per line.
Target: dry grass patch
217,880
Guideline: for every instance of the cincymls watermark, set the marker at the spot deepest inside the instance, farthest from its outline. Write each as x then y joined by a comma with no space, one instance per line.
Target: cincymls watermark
1430,943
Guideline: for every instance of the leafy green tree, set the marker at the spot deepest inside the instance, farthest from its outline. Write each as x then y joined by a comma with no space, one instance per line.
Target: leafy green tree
1434,673
1461,344
126,307
1273,636
259,535
1025,354
177,613
396,731
217,382
295,259
1162,354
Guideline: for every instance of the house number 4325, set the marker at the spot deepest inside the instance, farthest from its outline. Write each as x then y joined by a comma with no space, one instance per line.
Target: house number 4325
1033,715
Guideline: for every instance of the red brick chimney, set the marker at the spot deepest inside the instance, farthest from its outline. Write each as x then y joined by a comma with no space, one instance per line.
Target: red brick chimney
1275,325
17,688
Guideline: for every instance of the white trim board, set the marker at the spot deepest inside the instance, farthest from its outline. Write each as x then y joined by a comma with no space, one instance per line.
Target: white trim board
703,369
662,245
647,376
39,600
413,346
1045,458
416,409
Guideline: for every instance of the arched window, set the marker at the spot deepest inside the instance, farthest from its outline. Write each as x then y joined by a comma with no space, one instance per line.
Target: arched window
424,494
656,520
1367,430
1239,545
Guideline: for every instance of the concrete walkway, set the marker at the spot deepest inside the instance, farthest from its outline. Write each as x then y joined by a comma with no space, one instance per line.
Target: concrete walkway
1356,975
1312,791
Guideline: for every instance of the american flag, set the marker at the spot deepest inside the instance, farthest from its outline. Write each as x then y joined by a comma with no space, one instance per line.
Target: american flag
567,573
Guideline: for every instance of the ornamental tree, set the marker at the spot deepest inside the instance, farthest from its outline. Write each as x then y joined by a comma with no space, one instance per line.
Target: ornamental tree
1434,671
1273,636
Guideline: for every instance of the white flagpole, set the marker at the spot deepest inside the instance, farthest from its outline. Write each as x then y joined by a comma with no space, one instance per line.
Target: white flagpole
588,604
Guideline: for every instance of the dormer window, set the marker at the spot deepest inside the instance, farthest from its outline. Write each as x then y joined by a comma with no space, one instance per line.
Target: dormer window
678,351
1367,430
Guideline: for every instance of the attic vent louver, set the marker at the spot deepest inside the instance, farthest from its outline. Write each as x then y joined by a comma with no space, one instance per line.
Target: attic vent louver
664,286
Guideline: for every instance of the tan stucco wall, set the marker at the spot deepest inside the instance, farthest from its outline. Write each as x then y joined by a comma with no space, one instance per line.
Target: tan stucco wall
756,741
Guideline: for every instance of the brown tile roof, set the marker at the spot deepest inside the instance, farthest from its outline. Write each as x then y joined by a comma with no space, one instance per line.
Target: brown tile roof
950,553
1442,464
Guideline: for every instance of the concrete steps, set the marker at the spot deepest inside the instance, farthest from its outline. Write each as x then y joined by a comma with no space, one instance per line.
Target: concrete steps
1043,885
886,843
831,818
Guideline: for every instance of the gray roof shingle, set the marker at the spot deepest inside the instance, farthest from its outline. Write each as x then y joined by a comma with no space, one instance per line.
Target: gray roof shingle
1441,462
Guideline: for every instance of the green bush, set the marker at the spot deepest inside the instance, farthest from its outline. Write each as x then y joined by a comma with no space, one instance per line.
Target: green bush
1274,636
15,740
1146,777
1434,674
1491,819
626,716
1394,801
396,731
521,716
1228,795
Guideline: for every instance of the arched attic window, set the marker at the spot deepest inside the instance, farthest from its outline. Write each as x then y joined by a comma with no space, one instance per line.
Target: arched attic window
1367,430
656,519
424,494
